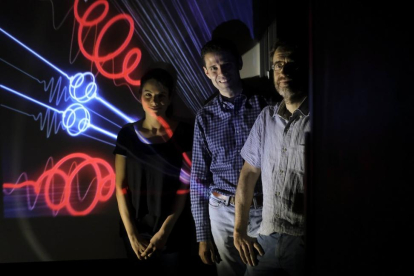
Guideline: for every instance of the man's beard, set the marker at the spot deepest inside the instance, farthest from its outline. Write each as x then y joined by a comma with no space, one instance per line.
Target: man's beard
290,94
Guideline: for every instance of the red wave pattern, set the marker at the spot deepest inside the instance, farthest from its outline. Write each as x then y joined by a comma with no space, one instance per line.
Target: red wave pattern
75,164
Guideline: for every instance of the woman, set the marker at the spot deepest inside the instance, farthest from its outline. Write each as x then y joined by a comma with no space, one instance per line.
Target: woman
152,178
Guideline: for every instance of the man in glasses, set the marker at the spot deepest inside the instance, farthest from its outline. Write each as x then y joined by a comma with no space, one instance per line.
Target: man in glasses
275,150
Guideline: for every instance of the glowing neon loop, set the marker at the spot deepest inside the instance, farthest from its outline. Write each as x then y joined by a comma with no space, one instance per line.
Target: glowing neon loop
104,178
86,94
70,119
89,92
132,58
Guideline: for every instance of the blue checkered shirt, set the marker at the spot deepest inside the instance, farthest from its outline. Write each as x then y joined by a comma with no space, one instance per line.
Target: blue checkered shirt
220,131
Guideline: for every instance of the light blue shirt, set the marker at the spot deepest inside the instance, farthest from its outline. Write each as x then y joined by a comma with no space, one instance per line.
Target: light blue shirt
276,145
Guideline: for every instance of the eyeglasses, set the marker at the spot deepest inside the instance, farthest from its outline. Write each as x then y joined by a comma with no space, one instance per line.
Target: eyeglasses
279,65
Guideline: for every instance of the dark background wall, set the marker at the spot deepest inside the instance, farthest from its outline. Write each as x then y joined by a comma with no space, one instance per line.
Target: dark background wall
359,182
361,163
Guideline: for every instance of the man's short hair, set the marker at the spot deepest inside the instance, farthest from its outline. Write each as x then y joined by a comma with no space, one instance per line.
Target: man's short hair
299,51
286,45
220,45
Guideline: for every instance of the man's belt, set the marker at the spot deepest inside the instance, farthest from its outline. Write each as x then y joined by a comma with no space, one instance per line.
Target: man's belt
256,202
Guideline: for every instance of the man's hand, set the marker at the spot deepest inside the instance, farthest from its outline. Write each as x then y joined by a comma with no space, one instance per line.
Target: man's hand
208,253
246,246
244,195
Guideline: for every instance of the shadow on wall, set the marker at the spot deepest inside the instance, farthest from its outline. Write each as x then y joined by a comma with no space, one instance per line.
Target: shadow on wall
236,31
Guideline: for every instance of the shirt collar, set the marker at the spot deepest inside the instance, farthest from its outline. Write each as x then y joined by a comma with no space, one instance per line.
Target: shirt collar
304,107
282,110
226,105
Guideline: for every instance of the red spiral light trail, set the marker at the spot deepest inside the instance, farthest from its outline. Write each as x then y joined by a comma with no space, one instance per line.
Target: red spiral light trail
68,170
132,57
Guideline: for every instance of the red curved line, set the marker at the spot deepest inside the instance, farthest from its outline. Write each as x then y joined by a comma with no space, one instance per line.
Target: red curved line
65,194
129,55
183,191
187,159
82,20
20,185
105,29
72,175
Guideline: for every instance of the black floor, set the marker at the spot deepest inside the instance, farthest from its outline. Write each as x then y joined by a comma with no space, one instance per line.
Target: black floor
193,267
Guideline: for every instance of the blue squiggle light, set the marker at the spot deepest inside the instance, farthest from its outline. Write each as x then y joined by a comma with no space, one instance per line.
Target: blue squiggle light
76,118
54,88
82,87
49,119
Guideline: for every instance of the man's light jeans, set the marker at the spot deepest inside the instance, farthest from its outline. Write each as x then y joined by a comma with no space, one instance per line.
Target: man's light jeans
222,226
282,253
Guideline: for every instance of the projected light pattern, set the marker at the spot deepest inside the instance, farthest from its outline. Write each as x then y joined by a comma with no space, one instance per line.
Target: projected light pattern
185,176
78,92
171,31
57,90
132,58
49,120
62,187
174,32
34,53
75,118
83,88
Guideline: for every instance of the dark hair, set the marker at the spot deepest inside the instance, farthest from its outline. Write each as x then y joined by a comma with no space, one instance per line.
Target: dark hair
299,55
297,49
164,78
220,45
161,76
286,45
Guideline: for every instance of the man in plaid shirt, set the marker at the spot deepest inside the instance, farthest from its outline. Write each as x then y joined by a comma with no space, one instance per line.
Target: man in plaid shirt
275,152
221,129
